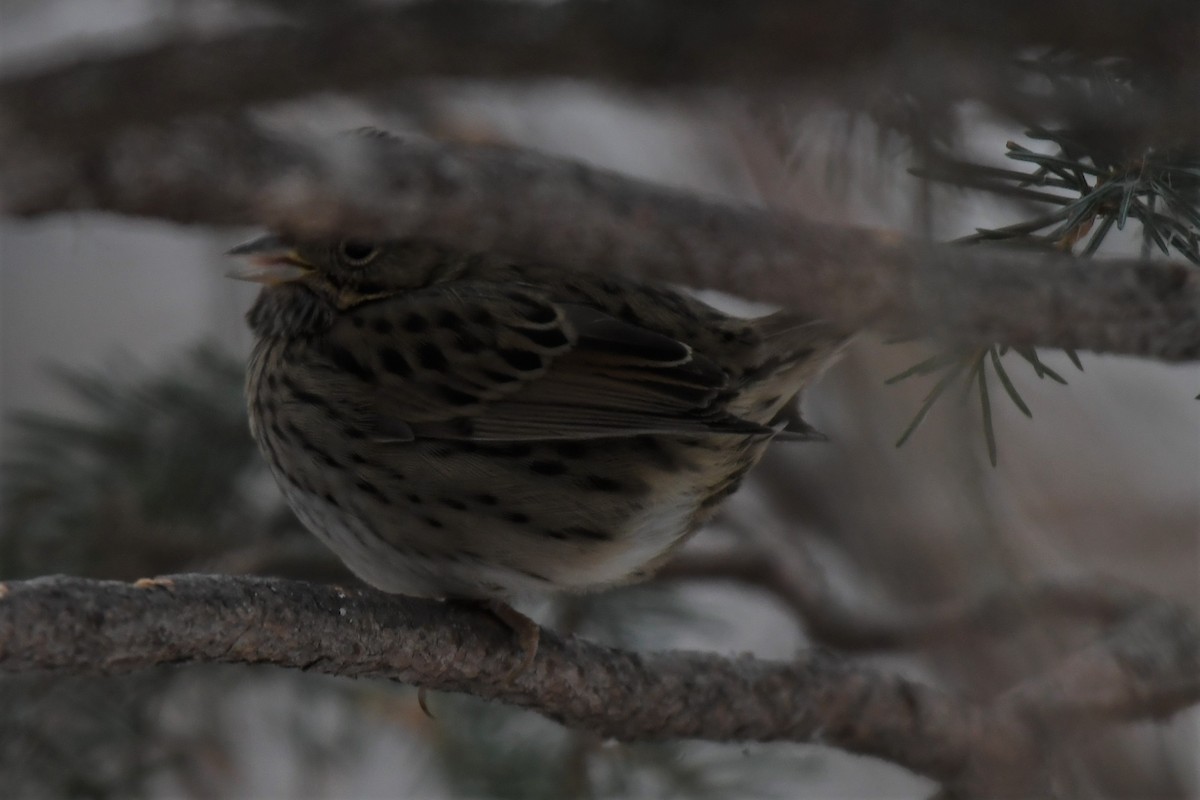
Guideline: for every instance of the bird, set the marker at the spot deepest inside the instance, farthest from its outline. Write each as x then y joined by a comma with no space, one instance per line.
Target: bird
472,426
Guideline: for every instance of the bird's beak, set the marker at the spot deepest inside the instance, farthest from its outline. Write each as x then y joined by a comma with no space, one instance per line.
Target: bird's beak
270,260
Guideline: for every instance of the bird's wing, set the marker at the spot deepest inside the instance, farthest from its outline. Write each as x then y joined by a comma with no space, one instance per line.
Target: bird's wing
474,361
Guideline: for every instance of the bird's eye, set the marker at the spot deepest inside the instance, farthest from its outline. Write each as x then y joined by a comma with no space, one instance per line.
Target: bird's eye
358,253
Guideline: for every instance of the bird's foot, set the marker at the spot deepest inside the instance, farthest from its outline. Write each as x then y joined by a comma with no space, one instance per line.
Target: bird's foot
528,634
527,631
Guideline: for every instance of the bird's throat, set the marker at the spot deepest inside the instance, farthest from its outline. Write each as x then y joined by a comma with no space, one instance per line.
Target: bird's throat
289,310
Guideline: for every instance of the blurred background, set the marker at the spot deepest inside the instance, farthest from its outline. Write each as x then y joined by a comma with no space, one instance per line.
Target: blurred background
125,454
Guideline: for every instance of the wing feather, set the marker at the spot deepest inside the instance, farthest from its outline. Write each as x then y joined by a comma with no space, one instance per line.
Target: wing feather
478,361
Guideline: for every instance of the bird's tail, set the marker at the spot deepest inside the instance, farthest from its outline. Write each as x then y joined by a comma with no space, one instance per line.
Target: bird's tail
793,351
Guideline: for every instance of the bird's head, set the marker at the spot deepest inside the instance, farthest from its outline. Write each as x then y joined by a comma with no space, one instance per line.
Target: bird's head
307,283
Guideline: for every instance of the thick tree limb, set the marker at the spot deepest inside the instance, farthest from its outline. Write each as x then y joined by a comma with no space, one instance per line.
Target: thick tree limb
949,50
1125,675
86,626
90,626
560,211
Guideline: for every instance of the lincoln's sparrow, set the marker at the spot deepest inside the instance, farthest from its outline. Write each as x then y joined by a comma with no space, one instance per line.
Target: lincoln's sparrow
467,425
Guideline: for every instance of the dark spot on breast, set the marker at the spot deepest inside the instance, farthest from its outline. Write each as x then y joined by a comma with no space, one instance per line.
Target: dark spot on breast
728,336
468,342
523,360
549,338
450,320
581,532
312,449
344,360
548,467
433,522
301,484
371,489
415,499
457,505
357,321
517,517
351,432
329,498
306,397
487,499
610,286
481,316
603,484
431,357
456,398
555,535
415,323
498,377
382,326
394,362
628,314
357,459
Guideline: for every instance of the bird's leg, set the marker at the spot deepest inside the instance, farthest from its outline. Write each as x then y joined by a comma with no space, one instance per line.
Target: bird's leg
527,631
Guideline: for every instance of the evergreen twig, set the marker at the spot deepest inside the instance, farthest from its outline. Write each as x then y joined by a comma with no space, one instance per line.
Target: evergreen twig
1096,186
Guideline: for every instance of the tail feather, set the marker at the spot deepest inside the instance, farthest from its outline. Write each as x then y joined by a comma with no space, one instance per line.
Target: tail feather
794,350
793,325
792,426
791,342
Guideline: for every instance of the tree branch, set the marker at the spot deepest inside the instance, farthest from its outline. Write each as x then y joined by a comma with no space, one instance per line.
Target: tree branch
1126,675
80,625
559,211
949,50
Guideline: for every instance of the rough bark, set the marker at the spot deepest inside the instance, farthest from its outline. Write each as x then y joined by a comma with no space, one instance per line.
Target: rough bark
1148,667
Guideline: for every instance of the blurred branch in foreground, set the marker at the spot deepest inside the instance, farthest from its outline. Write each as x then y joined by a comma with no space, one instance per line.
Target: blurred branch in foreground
1146,667
797,580
560,211
941,52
